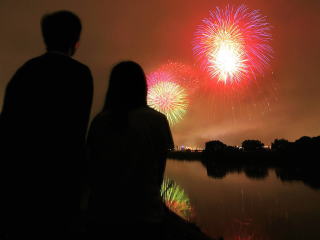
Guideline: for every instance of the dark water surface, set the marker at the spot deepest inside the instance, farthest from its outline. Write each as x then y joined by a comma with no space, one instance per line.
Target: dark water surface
241,208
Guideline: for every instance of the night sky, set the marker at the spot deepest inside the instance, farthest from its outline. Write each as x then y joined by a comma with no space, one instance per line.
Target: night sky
152,32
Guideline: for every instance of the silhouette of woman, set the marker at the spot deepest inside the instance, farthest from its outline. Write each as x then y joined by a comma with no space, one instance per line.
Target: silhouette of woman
127,143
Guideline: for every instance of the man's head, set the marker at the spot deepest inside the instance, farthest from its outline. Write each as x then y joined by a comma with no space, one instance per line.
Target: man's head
61,31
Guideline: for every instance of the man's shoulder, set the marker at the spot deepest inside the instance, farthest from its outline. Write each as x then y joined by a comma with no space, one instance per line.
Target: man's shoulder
49,60
78,64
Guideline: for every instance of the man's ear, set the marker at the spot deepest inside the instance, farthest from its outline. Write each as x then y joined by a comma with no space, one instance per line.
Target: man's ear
73,50
77,45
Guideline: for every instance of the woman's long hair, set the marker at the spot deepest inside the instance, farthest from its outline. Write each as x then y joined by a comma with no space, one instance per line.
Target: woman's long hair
127,88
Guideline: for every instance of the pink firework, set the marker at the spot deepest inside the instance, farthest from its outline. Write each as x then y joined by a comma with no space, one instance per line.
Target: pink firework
233,44
179,73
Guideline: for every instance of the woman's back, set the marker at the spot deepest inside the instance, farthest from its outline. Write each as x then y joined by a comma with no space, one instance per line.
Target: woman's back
127,161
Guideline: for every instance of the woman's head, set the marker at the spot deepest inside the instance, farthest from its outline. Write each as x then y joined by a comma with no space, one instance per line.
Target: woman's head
127,87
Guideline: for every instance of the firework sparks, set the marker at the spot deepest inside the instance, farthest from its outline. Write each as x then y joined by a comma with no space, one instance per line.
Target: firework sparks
169,89
179,73
233,44
168,98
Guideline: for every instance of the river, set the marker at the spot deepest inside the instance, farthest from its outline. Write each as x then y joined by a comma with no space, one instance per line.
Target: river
239,207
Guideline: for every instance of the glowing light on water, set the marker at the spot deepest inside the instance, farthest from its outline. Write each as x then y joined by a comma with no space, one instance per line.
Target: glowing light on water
176,199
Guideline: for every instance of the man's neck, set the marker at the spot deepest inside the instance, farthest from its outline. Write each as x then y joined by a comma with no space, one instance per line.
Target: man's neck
59,52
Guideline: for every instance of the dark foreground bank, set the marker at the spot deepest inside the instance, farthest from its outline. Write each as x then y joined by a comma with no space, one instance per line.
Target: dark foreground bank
173,228
177,228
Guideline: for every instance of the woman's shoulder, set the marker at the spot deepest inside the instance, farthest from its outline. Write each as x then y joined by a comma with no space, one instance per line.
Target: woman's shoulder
148,111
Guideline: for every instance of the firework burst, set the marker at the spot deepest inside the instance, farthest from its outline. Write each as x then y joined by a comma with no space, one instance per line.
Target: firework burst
168,98
233,44
179,73
169,89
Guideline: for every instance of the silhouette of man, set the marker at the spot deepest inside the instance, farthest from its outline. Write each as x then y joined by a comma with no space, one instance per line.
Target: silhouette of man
43,126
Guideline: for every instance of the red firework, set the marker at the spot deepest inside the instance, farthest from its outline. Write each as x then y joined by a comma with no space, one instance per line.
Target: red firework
233,44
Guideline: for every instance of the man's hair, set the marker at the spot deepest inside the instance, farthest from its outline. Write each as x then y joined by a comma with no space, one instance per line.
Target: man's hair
61,30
